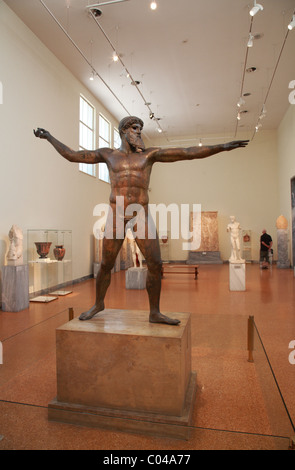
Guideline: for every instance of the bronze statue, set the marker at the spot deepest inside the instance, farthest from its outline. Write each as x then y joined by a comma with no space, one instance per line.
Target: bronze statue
130,169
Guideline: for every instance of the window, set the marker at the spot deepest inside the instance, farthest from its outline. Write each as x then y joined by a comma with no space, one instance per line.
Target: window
117,139
86,133
104,141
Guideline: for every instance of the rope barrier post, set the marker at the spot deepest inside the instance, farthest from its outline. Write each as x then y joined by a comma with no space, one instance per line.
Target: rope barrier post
71,313
250,338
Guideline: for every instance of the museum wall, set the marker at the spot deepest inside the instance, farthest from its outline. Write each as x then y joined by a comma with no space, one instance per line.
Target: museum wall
242,183
39,189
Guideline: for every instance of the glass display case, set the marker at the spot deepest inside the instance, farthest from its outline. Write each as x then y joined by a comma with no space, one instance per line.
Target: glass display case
50,263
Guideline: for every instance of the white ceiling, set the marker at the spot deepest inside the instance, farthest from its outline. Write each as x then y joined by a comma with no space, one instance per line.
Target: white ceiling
188,55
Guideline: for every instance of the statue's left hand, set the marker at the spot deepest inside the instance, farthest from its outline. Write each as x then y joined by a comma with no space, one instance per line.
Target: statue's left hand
236,144
42,133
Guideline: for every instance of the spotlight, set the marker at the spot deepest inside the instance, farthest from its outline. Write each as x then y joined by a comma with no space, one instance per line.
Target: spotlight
251,69
241,102
91,76
250,41
96,12
263,113
152,115
257,7
200,143
292,24
115,57
153,5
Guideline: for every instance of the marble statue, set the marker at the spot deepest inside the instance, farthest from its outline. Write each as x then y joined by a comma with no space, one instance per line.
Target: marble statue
15,252
134,249
130,169
234,229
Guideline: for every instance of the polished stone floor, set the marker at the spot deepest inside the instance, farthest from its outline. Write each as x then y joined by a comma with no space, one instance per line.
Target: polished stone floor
239,404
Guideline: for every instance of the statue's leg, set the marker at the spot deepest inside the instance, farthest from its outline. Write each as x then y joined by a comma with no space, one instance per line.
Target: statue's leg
110,252
150,249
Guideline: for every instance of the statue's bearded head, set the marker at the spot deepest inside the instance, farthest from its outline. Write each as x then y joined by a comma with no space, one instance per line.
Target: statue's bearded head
131,128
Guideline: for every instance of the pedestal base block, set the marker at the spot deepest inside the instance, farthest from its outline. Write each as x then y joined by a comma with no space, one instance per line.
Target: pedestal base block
237,276
283,261
15,288
174,427
136,278
118,371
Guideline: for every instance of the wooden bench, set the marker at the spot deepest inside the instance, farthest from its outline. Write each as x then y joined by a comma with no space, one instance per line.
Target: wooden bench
170,268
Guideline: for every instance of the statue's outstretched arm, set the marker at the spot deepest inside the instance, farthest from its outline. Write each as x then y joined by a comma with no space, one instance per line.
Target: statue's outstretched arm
192,153
80,156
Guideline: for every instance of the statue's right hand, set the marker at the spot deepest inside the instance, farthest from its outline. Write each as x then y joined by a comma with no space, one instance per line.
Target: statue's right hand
42,133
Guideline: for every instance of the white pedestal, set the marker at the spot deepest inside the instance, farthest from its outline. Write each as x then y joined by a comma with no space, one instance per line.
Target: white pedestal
15,289
136,278
237,276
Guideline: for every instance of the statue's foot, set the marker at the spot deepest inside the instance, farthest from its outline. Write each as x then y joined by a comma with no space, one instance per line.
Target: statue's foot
160,318
90,313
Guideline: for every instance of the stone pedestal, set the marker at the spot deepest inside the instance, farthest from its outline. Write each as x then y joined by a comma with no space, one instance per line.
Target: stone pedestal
135,278
15,288
118,371
283,261
237,276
